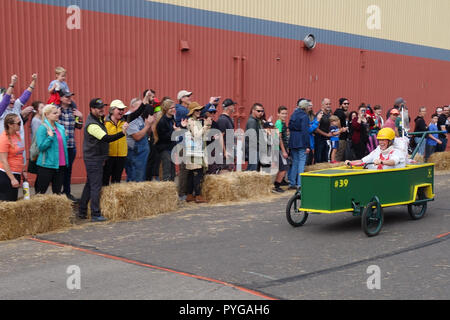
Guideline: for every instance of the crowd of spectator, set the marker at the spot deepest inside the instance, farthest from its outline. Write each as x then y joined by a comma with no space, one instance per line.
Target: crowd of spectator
151,138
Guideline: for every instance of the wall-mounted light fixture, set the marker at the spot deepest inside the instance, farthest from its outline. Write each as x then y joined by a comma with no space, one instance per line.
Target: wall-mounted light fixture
309,42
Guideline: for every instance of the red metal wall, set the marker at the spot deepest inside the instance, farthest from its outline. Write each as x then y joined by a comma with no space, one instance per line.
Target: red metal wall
117,57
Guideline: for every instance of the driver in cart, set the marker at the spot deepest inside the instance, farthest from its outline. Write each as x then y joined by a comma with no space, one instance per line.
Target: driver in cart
385,156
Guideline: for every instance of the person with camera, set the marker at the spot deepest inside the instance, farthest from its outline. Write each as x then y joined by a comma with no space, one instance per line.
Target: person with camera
360,125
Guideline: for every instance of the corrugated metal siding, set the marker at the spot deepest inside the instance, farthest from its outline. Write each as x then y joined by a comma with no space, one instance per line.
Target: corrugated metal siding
423,22
117,57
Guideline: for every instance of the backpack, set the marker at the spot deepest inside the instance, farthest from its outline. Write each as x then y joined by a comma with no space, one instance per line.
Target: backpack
34,150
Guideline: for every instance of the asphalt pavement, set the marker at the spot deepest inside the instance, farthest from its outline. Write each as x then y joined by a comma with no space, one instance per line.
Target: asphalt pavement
242,251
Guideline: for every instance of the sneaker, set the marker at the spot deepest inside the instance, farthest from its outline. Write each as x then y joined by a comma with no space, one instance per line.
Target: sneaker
284,183
98,219
82,216
277,190
292,188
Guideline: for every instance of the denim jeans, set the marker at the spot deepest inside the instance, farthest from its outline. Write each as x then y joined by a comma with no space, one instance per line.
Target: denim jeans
298,166
136,163
422,146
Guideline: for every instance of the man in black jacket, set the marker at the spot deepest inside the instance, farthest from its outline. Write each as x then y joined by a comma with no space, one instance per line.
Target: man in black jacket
420,126
95,153
253,137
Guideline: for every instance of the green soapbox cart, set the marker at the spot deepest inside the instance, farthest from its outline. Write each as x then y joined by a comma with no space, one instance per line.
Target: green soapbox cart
363,192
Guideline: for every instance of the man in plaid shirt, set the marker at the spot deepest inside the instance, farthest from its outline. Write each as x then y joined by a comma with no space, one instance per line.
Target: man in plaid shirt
71,118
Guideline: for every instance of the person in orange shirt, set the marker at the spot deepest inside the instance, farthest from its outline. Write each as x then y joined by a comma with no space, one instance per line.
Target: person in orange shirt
11,158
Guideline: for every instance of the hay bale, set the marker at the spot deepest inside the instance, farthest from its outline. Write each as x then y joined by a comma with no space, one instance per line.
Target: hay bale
322,166
40,214
232,186
253,184
135,200
418,158
441,160
221,187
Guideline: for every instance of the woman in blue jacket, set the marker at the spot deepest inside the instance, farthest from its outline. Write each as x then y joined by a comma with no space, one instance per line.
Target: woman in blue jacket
53,158
299,143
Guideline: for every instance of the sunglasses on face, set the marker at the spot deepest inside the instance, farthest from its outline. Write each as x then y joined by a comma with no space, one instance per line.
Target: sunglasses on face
260,111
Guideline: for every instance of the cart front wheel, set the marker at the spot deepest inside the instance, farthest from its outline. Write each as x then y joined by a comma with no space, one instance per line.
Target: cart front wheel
295,217
372,219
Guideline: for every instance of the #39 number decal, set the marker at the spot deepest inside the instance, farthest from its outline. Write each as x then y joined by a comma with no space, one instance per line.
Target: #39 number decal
341,183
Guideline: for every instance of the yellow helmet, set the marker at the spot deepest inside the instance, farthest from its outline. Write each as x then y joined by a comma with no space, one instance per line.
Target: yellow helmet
386,134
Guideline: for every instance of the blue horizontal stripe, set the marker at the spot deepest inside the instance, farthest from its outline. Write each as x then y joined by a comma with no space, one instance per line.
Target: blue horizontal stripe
216,20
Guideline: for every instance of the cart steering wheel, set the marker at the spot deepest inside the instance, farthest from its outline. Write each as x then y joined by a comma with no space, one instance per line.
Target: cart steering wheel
364,165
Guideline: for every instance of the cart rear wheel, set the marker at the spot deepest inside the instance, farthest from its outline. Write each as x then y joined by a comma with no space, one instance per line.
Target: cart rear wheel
295,217
417,211
372,219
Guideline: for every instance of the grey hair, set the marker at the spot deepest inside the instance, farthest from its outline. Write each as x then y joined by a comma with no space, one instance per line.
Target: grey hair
133,101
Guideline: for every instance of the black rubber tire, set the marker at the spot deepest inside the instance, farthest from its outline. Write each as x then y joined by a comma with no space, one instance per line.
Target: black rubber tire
417,211
294,217
372,219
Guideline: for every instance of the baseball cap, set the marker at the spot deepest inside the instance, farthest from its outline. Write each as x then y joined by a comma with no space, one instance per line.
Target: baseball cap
211,108
303,104
117,104
395,111
227,103
299,101
66,94
97,103
183,93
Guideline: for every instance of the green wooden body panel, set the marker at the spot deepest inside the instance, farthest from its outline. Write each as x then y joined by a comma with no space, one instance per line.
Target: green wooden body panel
334,189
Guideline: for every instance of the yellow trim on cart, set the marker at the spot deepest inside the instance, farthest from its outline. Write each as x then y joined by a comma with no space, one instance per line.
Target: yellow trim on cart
360,171
428,190
429,194
326,211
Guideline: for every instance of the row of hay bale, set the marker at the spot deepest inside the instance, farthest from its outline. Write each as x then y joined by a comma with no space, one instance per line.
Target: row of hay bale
124,201
130,201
